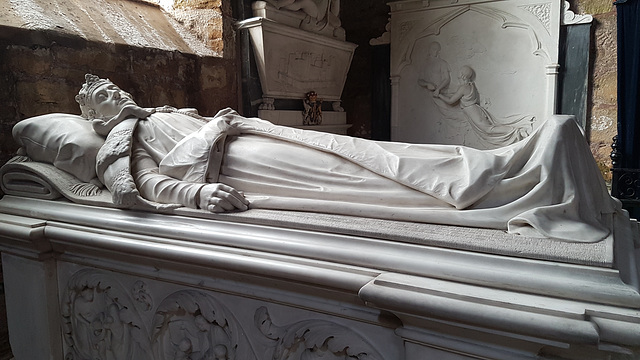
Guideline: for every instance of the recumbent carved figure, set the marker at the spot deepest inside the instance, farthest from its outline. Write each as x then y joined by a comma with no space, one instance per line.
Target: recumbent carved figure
546,185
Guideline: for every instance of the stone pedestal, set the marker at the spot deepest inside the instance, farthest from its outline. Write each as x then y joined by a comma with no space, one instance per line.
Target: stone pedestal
92,282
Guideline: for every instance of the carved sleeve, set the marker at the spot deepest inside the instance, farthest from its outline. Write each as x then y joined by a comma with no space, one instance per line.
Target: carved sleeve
161,188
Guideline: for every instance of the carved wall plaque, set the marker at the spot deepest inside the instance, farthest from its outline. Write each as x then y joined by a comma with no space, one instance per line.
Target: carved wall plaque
505,49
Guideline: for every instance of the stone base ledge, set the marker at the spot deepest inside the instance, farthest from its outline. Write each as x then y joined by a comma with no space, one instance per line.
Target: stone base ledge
390,299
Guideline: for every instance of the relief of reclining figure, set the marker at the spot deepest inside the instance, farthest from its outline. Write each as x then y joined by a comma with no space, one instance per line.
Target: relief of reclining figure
546,185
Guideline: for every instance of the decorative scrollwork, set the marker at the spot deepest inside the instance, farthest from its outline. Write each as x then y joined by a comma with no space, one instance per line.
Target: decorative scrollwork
627,184
100,321
542,12
141,295
405,28
569,17
314,339
190,324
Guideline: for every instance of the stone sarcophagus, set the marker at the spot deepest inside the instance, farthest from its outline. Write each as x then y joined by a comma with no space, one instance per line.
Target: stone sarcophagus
103,283
158,233
296,54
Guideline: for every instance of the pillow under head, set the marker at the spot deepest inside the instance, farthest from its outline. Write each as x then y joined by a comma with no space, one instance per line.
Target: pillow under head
67,141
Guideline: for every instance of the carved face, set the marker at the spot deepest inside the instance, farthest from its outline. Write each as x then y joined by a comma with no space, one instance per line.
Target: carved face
434,49
312,96
467,74
108,99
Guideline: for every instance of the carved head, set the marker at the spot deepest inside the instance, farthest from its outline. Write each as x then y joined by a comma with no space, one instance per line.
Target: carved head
101,98
312,96
434,49
467,74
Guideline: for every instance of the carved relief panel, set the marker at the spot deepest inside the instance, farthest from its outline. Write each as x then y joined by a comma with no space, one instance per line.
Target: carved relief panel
313,339
110,316
103,320
481,74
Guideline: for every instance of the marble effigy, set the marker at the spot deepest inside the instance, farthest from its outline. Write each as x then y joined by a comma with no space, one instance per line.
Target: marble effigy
166,158
139,239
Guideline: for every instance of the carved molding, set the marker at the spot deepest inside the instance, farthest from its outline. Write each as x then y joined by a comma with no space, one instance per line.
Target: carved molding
568,17
313,339
511,21
383,39
504,19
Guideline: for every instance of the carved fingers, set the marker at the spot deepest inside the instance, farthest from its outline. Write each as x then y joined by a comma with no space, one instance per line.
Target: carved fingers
220,197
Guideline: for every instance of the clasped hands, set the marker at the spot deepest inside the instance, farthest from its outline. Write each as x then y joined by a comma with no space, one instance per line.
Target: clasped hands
219,197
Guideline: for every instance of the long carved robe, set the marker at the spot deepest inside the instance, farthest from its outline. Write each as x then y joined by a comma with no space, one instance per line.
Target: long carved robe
547,184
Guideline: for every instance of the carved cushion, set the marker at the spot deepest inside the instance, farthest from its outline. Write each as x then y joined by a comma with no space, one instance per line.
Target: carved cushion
64,140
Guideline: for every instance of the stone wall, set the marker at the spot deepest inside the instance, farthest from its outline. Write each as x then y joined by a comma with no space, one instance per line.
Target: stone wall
43,67
603,99
43,76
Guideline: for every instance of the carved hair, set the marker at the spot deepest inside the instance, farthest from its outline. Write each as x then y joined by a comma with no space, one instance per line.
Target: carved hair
467,73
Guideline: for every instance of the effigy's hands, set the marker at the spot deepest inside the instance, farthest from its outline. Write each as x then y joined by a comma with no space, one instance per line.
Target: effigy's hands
220,197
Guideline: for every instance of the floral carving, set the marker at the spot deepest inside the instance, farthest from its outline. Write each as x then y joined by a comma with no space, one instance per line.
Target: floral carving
193,325
141,295
100,321
542,12
314,339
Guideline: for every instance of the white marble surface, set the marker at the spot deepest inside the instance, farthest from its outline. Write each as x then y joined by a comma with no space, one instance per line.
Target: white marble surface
513,82
321,17
393,301
292,62
174,159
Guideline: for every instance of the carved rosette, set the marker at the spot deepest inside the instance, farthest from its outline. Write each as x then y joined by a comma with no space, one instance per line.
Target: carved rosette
100,321
314,339
190,324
